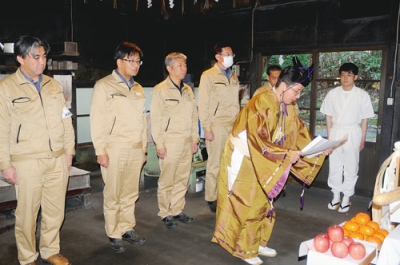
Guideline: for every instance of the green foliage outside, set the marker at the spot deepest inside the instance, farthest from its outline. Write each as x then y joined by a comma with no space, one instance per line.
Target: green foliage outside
327,77
285,61
369,63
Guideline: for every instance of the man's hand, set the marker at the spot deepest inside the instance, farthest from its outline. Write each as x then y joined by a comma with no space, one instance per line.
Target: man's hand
103,160
69,161
294,156
10,175
162,153
328,151
194,147
362,144
209,136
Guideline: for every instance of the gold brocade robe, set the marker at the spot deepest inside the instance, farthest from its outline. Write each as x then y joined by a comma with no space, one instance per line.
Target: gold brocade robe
241,220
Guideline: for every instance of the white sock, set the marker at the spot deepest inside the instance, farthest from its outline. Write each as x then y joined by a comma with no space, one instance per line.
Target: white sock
253,261
345,201
336,198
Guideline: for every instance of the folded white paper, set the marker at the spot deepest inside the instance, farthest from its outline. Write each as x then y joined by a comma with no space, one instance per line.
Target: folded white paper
320,144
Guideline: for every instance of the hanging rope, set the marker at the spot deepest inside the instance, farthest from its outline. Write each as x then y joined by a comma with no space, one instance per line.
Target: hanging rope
164,11
206,5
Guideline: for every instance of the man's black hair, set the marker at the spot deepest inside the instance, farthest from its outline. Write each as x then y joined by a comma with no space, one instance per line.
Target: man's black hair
273,67
349,67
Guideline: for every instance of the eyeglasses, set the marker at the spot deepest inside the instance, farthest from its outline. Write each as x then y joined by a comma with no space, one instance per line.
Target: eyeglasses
298,92
346,75
138,62
232,54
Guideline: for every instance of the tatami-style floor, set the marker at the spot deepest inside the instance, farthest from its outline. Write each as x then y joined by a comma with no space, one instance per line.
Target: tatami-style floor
84,242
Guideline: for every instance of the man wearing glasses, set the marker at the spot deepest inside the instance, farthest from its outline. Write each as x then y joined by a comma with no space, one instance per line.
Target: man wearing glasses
262,150
119,135
347,109
218,108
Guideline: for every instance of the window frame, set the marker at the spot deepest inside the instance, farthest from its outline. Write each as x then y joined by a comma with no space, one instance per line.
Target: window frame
312,108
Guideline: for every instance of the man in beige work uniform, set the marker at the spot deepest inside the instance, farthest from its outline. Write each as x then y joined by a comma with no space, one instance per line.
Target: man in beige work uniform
36,148
119,135
218,108
273,72
174,127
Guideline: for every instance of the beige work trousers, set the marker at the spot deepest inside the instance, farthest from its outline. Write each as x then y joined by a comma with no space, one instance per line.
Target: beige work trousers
214,151
42,183
121,189
172,183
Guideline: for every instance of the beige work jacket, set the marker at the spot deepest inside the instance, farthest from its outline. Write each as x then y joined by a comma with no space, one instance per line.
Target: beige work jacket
33,125
173,115
218,98
117,115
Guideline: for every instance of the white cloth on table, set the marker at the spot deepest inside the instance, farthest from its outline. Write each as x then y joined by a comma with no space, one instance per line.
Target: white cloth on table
390,250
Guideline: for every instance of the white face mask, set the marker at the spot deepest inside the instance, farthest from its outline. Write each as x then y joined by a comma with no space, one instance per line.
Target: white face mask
228,61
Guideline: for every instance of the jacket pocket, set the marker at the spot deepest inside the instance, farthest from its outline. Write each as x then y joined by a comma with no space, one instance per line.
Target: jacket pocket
21,104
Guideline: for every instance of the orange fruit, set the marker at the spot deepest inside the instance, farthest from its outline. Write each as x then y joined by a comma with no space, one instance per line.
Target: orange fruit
383,231
351,226
346,232
353,219
379,235
362,218
357,235
366,230
374,225
373,239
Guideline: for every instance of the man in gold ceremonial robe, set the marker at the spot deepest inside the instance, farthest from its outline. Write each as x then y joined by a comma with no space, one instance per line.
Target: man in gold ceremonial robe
264,147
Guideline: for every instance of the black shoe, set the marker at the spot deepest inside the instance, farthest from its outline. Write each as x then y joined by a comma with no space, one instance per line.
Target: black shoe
169,222
132,237
117,245
183,218
213,206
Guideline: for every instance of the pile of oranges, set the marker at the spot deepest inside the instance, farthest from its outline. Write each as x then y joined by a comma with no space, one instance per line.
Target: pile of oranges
363,228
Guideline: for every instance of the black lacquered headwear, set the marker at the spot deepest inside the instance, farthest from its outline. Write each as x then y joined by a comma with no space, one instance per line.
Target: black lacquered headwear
306,73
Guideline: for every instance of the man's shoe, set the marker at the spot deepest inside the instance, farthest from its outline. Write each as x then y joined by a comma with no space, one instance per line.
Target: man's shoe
56,259
183,218
169,222
213,206
266,251
117,245
132,237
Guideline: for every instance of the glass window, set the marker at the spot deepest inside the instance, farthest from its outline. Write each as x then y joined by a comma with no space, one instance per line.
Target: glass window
326,77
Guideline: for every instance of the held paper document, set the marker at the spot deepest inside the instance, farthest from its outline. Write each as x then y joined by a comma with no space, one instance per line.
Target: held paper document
320,144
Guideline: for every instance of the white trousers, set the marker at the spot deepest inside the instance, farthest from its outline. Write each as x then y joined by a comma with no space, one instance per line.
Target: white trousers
343,162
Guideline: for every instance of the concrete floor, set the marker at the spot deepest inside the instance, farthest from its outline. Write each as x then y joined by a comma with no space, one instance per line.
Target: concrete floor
84,242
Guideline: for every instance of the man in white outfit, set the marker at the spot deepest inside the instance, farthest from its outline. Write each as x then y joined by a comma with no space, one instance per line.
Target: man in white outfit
347,109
